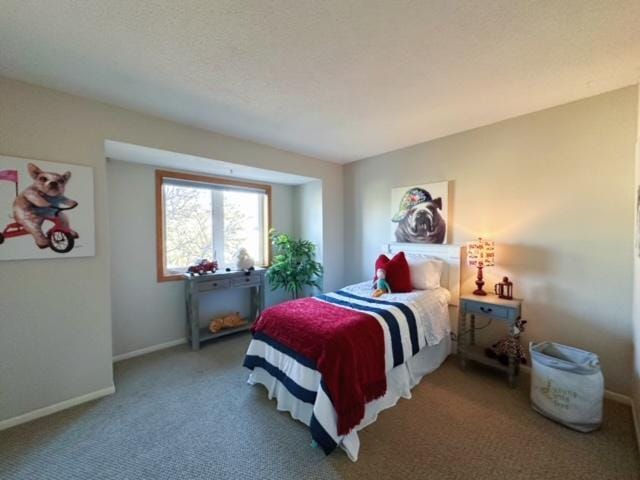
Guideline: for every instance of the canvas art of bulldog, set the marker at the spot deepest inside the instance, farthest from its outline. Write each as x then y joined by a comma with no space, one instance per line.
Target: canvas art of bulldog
419,219
41,201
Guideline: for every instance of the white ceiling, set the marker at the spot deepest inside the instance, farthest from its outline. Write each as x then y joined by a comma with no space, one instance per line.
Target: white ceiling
128,152
336,79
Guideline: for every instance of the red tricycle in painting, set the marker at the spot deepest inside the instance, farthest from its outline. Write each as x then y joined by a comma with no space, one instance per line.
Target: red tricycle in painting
61,237
202,267
42,201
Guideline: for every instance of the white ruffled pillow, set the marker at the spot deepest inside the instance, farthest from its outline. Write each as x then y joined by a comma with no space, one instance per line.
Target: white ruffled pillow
425,271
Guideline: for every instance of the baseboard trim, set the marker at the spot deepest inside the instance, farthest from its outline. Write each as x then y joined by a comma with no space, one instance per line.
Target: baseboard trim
57,407
152,348
618,397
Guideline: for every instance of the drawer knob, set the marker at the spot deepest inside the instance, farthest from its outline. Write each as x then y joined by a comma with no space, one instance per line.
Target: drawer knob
246,279
486,309
215,284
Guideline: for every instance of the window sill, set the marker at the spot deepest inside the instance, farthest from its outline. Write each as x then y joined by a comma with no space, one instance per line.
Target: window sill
170,277
174,277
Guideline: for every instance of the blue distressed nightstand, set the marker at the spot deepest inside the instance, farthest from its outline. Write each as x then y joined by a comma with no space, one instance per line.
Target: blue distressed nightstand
494,308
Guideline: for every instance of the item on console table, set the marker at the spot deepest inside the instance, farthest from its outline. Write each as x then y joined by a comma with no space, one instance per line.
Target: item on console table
202,267
244,260
504,289
230,321
480,254
509,346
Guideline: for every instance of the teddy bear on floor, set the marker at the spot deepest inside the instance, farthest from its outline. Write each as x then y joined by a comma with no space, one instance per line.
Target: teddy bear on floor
230,321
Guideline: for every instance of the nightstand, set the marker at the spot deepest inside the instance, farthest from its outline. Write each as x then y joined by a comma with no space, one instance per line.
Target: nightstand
493,308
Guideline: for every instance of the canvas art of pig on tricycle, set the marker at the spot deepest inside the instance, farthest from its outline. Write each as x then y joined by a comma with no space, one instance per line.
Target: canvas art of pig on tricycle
41,204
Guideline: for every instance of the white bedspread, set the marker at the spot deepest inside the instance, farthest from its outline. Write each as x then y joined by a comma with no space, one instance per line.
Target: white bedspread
432,307
298,388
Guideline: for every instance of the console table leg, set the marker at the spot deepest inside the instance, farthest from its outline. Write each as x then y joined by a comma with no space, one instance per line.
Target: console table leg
461,339
513,361
262,301
193,318
472,329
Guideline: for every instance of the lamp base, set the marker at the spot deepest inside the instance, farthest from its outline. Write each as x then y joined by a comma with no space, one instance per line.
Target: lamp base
479,283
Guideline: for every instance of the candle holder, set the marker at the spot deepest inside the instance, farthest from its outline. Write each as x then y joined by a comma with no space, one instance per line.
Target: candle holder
504,289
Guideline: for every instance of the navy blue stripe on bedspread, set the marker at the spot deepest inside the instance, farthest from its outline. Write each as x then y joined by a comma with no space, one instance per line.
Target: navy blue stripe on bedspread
301,393
387,316
408,313
302,360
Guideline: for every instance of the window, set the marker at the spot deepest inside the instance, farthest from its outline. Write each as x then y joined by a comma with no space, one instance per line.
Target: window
205,217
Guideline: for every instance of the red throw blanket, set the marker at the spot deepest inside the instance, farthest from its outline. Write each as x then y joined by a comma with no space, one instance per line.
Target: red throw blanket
346,346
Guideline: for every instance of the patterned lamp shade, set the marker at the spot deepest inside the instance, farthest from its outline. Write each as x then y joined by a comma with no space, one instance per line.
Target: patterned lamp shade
481,253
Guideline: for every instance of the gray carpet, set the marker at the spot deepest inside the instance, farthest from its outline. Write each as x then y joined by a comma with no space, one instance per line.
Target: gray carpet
180,414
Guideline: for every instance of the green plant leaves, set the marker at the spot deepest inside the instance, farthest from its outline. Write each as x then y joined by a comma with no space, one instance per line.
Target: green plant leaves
294,266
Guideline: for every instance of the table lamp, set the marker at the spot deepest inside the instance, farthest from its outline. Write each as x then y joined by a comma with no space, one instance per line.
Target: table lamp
480,253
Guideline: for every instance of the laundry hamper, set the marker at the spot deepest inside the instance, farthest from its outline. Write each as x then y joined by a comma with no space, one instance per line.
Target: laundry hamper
567,385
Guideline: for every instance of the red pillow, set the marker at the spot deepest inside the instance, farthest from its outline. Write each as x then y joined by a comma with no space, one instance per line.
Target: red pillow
398,274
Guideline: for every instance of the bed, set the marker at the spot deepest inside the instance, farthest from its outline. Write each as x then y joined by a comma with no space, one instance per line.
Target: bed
369,373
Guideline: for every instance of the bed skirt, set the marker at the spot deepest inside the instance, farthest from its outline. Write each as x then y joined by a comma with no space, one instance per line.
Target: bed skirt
298,390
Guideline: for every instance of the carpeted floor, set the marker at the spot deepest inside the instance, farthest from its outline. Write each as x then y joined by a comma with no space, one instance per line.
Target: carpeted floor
180,414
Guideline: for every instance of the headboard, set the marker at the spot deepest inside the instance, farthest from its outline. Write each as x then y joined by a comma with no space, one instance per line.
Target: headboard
449,254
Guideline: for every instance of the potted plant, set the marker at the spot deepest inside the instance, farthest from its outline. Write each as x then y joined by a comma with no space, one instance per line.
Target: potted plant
294,266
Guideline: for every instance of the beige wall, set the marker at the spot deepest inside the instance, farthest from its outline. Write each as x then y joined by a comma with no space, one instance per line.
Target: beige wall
636,284
555,190
55,315
308,214
146,313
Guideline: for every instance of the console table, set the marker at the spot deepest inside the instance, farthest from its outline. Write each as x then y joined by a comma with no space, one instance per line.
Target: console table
198,285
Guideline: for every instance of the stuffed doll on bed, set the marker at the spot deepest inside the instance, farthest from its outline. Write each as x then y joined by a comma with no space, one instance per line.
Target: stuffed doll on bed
381,284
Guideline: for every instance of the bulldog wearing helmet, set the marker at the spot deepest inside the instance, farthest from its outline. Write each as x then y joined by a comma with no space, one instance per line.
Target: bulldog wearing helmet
419,219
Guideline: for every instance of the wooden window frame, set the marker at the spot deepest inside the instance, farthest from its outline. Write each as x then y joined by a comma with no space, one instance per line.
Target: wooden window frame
161,175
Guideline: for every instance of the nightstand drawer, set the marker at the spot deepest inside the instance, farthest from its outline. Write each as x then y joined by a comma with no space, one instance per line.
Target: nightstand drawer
484,309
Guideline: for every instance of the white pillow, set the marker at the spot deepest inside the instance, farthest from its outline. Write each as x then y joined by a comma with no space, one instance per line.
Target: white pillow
425,271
